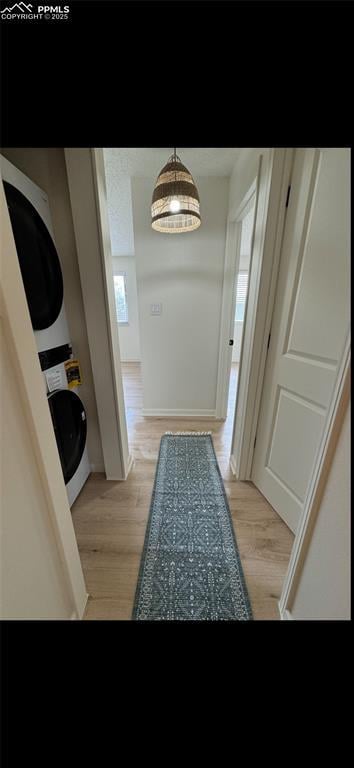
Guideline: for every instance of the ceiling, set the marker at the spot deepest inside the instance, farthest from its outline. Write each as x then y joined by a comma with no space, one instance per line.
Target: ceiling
123,163
148,161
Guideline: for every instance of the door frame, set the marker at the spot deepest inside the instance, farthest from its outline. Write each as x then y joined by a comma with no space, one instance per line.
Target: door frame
99,176
272,183
86,178
231,265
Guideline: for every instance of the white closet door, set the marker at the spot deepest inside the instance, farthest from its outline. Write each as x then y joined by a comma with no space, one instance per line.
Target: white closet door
311,322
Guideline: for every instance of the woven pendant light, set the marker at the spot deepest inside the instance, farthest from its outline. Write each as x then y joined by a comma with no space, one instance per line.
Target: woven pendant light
175,201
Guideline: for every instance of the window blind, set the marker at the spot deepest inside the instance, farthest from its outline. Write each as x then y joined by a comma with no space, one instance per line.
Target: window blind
242,285
241,295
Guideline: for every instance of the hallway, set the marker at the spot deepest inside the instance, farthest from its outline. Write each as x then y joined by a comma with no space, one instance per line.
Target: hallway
136,423
110,517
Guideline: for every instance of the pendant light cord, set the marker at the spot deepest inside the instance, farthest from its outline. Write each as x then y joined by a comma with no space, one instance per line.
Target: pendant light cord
175,159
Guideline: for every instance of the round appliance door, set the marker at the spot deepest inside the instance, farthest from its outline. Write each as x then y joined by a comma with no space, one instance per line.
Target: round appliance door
39,262
70,427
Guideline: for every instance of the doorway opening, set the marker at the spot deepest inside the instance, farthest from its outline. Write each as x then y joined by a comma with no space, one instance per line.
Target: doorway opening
243,252
123,274
126,306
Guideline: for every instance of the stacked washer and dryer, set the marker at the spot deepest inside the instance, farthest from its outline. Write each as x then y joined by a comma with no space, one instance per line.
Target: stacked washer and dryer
43,282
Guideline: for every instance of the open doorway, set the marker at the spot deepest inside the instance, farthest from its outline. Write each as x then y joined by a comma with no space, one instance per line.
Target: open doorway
235,293
242,264
124,276
126,304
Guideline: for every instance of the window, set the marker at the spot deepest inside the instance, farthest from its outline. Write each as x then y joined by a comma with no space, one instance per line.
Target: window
120,293
241,295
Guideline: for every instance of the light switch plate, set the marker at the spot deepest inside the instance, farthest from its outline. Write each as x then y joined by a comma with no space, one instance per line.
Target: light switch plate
155,309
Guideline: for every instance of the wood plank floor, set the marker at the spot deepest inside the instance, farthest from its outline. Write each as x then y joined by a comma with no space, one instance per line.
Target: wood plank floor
110,517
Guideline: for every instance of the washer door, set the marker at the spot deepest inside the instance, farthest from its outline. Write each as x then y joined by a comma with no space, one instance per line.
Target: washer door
39,262
70,427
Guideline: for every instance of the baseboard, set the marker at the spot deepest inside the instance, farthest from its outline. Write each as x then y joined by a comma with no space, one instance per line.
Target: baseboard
101,468
97,467
130,464
233,465
285,615
177,414
78,615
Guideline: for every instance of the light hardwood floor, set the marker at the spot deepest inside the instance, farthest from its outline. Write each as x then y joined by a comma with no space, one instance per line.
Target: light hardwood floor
110,517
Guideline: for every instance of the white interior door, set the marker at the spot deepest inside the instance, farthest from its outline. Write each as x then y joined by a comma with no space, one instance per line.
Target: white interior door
311,322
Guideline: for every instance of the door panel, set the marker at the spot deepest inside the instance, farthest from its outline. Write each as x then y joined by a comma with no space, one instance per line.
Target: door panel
309,329
304,422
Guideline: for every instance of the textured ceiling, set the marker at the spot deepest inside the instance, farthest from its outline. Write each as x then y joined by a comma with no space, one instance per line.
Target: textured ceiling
123,163
142,161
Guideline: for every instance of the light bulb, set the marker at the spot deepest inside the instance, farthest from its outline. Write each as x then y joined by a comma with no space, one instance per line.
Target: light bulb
175,206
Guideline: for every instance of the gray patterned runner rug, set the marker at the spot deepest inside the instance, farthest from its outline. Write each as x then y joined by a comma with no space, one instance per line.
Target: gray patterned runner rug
190,568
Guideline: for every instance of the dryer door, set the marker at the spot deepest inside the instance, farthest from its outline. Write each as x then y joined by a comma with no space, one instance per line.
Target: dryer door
39,262
70,427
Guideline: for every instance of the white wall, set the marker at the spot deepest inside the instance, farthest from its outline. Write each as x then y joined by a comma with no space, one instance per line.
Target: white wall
129,335
32,581
236,351
179,349
46,167
323,591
